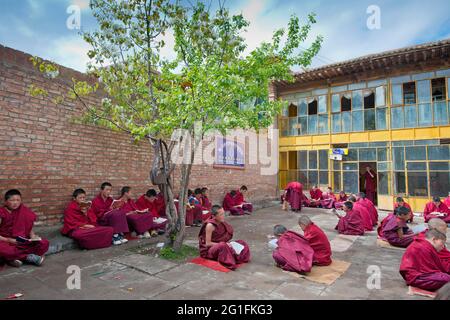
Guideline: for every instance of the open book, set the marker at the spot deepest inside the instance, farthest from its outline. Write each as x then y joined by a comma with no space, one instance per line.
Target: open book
159,220
205,211
86,204
26,240
116,204
419,228
273,244
237,247
438,214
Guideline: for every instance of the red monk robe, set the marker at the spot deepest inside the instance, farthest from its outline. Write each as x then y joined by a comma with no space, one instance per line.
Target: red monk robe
444,254
371,208
206,204
153,206
447,202
221,251
293,253
316,197
19,223
294,195
340,200
388,230
138,222
430,207
328,200
87,238
230,203
421,266
351,224
406,205
241,201
365,216
370,185
106,217
318,241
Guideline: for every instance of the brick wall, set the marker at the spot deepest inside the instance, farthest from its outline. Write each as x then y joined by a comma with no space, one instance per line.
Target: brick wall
46,154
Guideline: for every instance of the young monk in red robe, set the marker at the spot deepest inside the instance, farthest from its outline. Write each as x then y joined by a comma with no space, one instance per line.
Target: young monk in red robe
140,221
365,215
341,198
293,252
436,209
240,200
80,224
328,199
421,266
351,223
394,229
214,241
293,194
370,184
231,204
194,212
317,240
441,226
102,206
400,202
18,242
361,198
316,196
206,204
149,201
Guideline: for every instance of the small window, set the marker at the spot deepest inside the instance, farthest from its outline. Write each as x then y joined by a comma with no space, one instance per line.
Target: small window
292,110
312,107
369,100
409,93
438,89
346,102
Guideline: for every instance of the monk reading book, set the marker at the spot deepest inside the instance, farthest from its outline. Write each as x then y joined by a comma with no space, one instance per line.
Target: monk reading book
421,265
316,197
341,198
240,200
214,241
16,222
394,229
436,209
293,252
328,199
400,202
107,216
351,223
80,224
318,241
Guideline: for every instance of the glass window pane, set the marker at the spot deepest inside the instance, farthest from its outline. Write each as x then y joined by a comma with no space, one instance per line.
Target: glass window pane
418,184
438,152
369,120
351,180
357,120
398,155
346,122
423,91
303,125
284,127
312,124
349,166
439,166
397,118
416,153
383,183
302,158
440,113
302,177
336,103
322,104
323,124
382,154
323,159
312,178
425,116
381,119
336,122
357,100
323,178
396,97
384,166
410,116
336,165
293,131
367,154
352,155
380,99
312,159
399,182
337,181
439,184
409,93
416,166
302,107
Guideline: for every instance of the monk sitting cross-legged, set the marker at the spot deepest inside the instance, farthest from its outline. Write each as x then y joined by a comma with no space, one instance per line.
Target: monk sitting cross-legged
215,241
362,199
421,266
394,229
293,252
80,224
18,242
341,198
441,226
317,240
436,209
351,223
316,197
365,215
400,202
328,199
234,204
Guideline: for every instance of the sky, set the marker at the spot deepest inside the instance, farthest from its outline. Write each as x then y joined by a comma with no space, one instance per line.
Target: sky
39,27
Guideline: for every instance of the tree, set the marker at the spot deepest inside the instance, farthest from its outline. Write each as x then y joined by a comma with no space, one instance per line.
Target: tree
150,96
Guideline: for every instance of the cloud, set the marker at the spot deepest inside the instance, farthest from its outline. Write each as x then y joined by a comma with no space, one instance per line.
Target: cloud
70,51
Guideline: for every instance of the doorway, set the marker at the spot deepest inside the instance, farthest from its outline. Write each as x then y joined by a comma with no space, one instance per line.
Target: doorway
373,183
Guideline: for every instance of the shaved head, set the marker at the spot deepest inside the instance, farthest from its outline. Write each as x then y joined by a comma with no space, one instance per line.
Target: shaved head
305,220
437,224
435,234
279,229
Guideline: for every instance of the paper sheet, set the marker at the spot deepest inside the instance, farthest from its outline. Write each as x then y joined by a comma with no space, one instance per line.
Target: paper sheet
237,247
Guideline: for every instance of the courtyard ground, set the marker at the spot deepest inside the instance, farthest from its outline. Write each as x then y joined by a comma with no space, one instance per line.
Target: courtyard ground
122,273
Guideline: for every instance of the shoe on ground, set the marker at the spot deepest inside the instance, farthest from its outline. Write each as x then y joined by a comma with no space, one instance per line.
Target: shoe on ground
116,241
15,263
35,259
154,233
147,235
122,239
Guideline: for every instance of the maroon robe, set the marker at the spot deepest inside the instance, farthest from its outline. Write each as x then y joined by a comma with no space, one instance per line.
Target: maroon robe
90,238
421,266
206,204
138,222
444,254
328,200
19,223
240,200
294,195
365,215
229,203
340,202
293,253
106,217
431,207
316,196
351,224
221,251
447,202
370,186
318,241
388,231
396,205
372,210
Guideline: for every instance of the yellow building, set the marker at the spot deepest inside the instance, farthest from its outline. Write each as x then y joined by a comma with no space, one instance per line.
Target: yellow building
391,111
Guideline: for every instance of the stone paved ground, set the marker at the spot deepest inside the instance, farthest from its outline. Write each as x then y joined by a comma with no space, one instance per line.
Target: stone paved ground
119,273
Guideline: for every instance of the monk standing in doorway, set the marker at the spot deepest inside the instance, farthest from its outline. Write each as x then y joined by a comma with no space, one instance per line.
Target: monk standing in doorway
370,183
